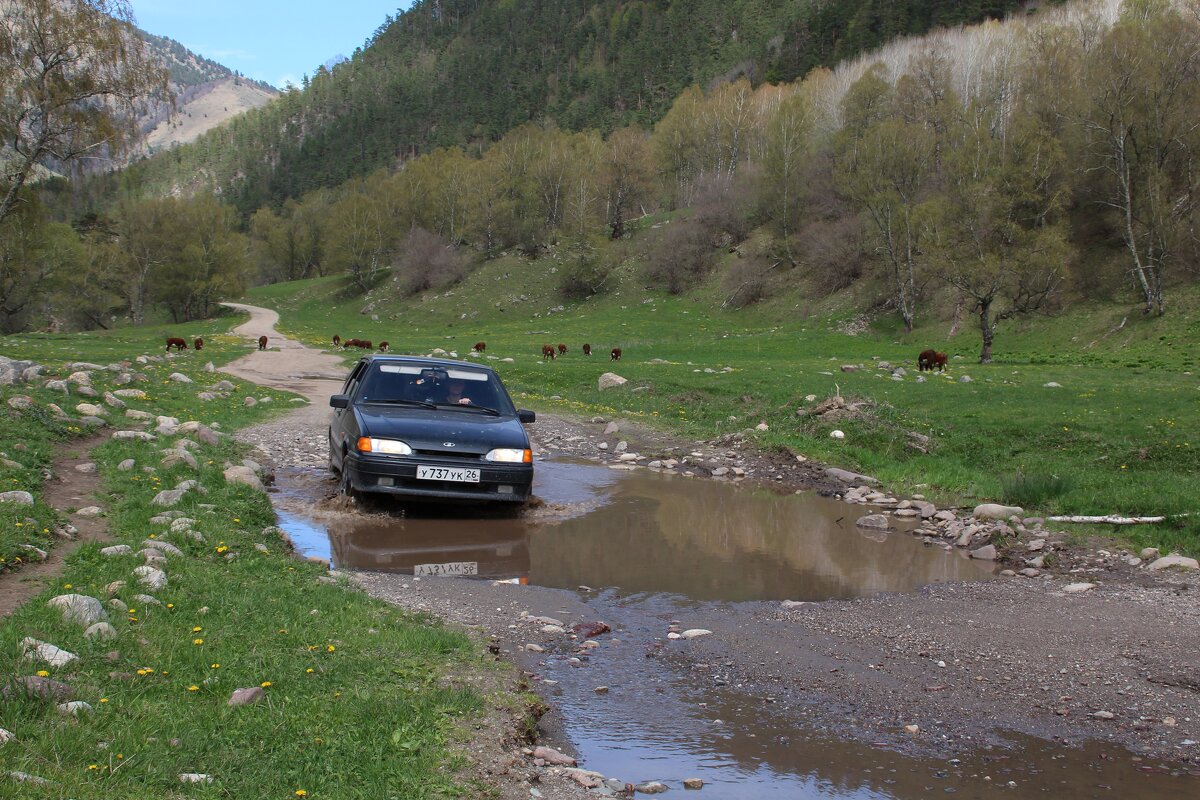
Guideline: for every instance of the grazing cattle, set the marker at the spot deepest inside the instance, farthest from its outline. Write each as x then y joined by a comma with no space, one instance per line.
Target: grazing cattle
615,355
562,348
365,344
262,343
548,352
177,343
351,343
479,347
587,349
198,344
337,340
383,346
930,359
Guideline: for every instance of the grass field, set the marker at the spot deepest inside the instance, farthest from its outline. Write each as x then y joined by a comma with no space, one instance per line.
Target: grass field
1119,435
362,701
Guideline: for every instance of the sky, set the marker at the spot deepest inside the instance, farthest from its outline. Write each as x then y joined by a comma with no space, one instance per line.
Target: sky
267,40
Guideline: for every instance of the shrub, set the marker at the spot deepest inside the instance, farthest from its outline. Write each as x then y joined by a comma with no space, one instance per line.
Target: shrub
427,261
1033,491
678,256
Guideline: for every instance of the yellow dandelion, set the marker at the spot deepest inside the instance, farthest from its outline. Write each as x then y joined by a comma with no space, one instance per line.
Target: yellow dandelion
221,548
330,649
215,666
236,519
197,641
131,611
301,793
309,670
103,699
313,647
154,536
193,688
197,629
282,630
93,766
65,585
170,605
265,684
43,673
133,619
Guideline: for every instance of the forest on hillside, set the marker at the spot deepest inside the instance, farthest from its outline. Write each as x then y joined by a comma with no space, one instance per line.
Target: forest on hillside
465,72
1012,166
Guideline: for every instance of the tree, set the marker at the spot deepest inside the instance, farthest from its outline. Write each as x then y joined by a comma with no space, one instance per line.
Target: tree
789,144
885,175
72,73
1144,84
996,230
625,176
34,256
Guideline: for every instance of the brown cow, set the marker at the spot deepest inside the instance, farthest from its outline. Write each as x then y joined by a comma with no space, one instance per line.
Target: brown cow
548,352
337,340
479,347
587,349
930,359
615,355
198,344
383,346
562,349
262,343
177,343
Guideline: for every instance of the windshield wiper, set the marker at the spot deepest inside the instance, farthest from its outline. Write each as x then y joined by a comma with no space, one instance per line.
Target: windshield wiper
493,412
400,402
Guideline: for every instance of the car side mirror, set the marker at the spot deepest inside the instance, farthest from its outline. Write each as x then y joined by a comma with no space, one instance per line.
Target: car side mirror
340,401
525,415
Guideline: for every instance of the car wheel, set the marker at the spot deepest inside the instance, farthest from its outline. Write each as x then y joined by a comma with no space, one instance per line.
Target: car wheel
346,486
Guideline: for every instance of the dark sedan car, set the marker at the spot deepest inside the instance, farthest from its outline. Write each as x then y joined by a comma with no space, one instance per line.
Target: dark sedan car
429,428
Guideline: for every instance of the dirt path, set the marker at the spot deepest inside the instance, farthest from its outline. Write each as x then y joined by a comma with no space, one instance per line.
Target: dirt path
66,490
962,663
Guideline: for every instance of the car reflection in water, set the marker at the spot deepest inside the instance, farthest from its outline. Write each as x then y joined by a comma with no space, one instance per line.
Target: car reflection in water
495,548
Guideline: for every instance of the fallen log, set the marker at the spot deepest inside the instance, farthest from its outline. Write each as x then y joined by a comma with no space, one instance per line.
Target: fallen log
1110,519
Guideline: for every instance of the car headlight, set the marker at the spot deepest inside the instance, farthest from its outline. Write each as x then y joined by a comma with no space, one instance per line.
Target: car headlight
383,447
510,455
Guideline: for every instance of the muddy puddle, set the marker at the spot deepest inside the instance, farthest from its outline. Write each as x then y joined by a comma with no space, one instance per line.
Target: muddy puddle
637,532
648,547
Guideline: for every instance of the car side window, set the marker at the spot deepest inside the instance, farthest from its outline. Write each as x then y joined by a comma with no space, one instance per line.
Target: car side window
355,379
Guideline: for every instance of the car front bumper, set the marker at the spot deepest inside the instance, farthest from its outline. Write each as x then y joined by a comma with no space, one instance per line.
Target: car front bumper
499,483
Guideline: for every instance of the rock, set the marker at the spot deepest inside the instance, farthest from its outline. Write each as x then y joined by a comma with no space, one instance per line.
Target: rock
20,402
610,380
6,736
90,410
1030,572
1102,715
35,650
141,436
551,756
995,511
651,787
90,512
150,577
87,468
163,546
116,550
846,476
1174,560
195,777
249,402
873,522
244,475
35,686
18,497
247,696
965,379
534,648
693,783
837,435
168,497
762,426
1076,588
79,609
1149,553
1052,385
74,708
179,377
985,553
693,633
100,631
611,428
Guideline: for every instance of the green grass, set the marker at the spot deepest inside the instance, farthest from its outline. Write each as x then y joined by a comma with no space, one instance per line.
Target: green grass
1121,434
362,700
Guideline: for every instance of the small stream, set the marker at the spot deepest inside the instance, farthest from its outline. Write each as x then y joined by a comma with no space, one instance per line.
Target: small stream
642,548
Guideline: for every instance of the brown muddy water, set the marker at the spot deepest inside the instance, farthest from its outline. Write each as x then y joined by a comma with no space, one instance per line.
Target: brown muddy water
640,548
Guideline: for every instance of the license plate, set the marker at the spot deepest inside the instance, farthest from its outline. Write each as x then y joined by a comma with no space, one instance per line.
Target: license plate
459,474
450,568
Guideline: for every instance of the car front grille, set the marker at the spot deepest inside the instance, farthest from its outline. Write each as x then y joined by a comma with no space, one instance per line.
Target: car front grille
449,454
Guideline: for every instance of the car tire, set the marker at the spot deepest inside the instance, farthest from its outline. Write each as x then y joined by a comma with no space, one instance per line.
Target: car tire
333,467
346,486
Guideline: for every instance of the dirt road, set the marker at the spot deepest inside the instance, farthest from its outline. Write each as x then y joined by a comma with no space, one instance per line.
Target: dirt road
943,670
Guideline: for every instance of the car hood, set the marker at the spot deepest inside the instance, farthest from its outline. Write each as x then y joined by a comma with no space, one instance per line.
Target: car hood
427,429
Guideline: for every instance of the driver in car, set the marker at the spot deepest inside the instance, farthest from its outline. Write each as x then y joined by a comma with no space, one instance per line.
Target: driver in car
454,392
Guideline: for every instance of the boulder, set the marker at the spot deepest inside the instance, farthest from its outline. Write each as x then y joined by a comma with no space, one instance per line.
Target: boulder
996,511
846,476
79,608
17,497
1174,560
610,380
873,522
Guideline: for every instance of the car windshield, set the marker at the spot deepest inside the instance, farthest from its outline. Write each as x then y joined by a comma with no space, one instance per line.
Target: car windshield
434,387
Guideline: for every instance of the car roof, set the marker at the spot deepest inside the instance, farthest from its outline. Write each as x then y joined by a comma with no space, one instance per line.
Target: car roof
449,363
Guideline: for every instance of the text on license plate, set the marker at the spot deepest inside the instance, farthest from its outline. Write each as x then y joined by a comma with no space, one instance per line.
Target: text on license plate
450,568
460,474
